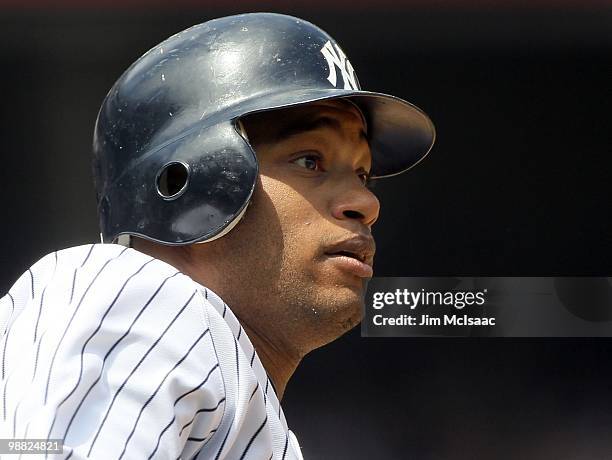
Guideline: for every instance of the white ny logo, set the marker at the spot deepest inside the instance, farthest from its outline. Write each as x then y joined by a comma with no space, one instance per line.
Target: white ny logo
336,58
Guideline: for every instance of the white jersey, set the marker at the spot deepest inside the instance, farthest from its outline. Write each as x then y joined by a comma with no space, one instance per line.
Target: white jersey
124,357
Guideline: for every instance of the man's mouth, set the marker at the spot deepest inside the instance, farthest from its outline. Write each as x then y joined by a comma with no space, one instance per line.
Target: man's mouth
359,257
355,254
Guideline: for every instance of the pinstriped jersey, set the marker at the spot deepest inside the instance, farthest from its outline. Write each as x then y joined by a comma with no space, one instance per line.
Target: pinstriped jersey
124,357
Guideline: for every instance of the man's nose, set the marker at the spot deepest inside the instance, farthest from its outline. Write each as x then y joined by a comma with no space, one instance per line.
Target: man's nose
353,200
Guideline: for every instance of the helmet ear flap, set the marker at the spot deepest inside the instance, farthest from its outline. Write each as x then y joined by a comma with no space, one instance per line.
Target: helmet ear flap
194,189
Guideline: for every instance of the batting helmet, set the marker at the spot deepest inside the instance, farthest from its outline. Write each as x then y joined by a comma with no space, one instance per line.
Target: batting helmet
170,162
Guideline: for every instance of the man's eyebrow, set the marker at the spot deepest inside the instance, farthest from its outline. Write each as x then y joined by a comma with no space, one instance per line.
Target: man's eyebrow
301,126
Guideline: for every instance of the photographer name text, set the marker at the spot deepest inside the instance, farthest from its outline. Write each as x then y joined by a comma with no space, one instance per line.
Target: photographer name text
412,300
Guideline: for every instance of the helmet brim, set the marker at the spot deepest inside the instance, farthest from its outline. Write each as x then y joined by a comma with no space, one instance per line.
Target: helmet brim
400,133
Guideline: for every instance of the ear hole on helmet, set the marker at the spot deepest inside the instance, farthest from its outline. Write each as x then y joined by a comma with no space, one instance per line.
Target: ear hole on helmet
172,180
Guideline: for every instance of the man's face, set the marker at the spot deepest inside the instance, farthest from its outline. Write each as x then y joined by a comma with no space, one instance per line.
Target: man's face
304,247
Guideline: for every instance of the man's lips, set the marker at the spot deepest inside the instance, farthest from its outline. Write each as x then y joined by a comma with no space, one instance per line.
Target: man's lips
355,254
351,264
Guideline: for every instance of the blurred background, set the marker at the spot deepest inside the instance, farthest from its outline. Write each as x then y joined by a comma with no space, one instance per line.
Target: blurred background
518,183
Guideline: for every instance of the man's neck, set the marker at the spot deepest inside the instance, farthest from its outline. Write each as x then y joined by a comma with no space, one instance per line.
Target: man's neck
278,363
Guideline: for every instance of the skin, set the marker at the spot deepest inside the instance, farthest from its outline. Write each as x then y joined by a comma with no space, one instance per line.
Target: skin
272,268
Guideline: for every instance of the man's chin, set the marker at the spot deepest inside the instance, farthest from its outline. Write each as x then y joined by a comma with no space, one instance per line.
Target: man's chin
338,329
327,309
350,323
339,315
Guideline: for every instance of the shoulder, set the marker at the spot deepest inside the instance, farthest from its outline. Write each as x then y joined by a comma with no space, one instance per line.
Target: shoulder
102,266
110,274
114,322
92,282
86,261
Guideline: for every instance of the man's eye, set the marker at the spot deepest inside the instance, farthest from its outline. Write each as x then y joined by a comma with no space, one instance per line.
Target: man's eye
311,162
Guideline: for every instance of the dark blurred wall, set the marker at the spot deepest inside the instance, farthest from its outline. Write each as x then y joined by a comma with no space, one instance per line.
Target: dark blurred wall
519,183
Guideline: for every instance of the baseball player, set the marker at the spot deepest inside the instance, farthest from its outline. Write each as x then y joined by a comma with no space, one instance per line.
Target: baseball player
231,165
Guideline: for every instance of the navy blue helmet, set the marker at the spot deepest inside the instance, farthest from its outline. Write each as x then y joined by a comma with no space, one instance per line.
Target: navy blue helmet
171,163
